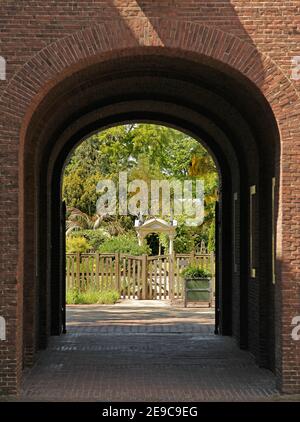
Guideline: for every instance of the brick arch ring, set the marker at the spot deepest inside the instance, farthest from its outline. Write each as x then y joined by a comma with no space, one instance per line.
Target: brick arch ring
116,38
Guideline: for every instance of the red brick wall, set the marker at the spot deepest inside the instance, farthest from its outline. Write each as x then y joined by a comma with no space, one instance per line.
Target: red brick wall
27,27
42,42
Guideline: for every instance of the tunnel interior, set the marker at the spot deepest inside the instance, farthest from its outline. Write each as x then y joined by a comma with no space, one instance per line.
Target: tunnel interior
212,103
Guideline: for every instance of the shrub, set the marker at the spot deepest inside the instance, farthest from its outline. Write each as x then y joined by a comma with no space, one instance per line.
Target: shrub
126,243
194,271
73,296
183,242
91,296
77,244
108,297
95,238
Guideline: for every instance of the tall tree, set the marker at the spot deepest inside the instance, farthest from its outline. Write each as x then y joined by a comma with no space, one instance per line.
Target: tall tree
145,151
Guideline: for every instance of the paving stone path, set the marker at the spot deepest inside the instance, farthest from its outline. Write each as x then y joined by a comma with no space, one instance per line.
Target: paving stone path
138,351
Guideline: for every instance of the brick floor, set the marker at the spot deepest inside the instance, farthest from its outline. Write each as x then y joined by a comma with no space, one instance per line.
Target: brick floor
135,351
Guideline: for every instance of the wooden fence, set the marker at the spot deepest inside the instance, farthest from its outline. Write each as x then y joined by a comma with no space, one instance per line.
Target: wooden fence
135,277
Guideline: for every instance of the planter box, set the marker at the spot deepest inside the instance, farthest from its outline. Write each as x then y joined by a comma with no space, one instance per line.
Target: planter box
197,290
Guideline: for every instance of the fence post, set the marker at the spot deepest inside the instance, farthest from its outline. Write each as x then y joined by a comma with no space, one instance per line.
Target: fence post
97,271
171,275
144,277
78,270
117,271
192,259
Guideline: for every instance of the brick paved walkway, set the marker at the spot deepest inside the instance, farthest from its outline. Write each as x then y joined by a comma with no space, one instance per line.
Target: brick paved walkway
144,353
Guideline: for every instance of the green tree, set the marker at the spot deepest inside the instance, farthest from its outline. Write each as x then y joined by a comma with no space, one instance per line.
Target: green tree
79,190
147,152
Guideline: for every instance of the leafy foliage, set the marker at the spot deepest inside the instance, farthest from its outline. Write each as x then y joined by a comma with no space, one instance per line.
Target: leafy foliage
91,296
184,241
211,238
146,152
77,244
79,189
79,220
95,238
194,271
126,243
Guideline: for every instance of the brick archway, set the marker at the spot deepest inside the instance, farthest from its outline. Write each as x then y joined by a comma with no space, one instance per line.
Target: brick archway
117,38
29,90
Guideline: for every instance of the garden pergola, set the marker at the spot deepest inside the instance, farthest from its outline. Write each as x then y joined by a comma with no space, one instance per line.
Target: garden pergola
156,226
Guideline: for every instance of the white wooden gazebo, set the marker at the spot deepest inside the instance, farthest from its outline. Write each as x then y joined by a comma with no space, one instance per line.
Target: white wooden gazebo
156,226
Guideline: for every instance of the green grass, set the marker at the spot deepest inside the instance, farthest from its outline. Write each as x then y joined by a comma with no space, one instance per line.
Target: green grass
90,296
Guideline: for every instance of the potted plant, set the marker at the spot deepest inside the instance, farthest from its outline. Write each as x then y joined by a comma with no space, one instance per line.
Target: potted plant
197,284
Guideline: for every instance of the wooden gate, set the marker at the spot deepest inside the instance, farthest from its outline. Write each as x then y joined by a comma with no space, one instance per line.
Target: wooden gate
135,277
